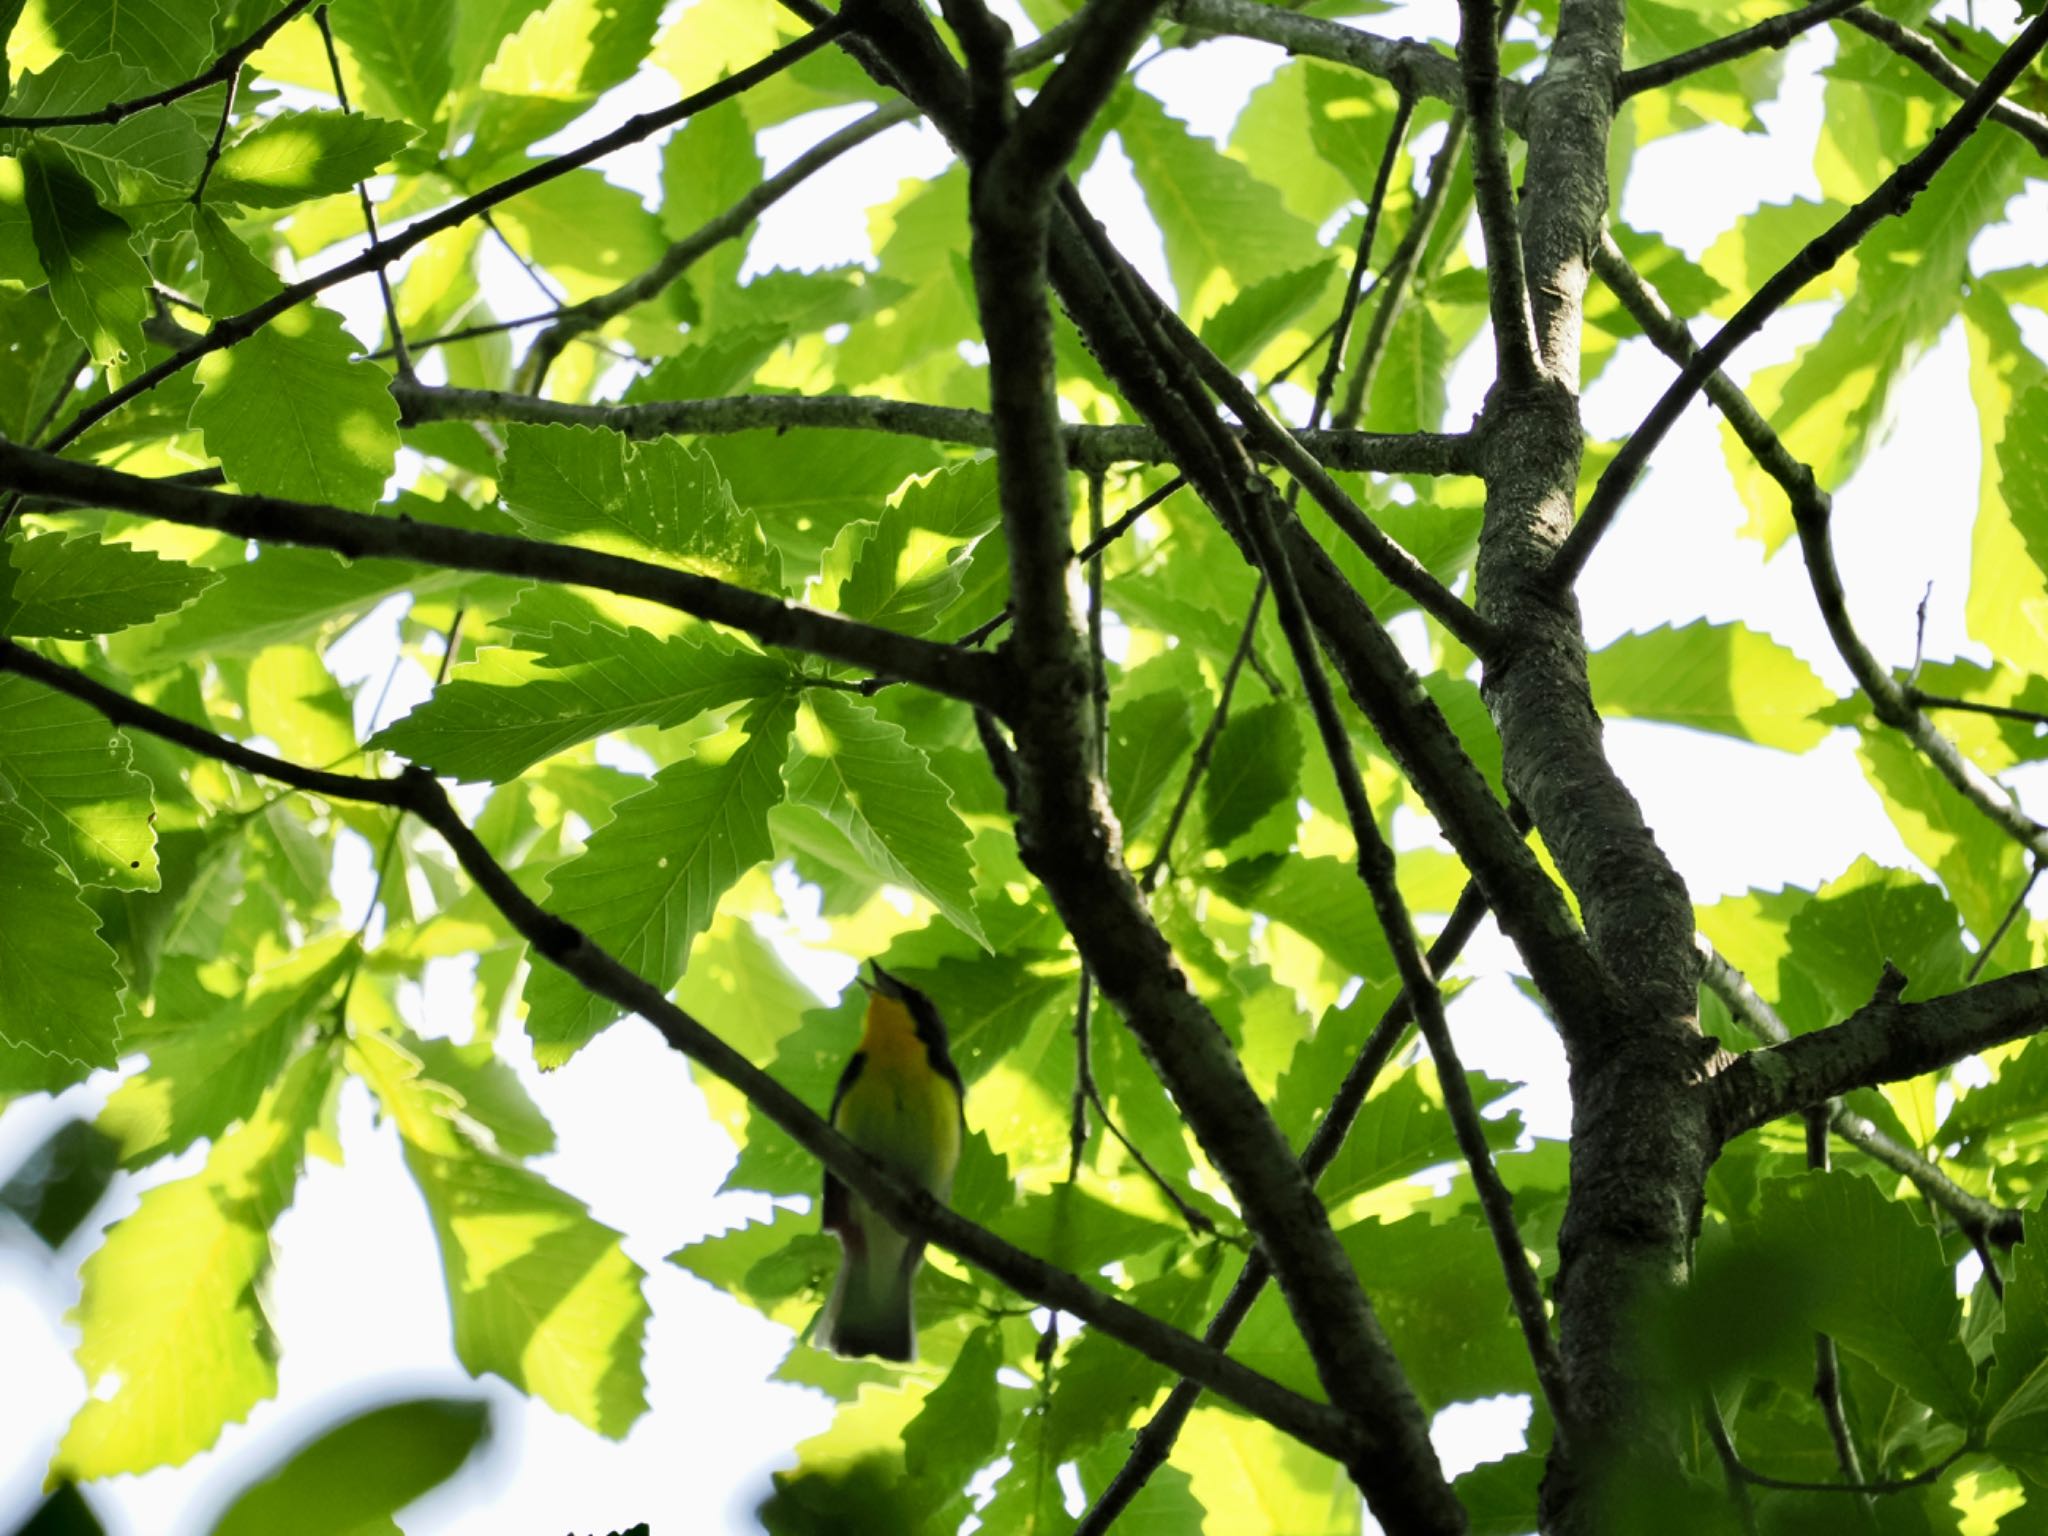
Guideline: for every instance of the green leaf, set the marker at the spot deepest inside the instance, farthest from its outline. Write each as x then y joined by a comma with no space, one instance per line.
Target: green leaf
171,39
1878,1282
1101,1383
171,1318
561,58
2008,606
75,586
957,1429
1224,228
215,1071
1148,737
1841,939
404,48
1240,329
2016,1395
1500,1496
805,486
665,498
69,771
706,167
354,1477
39,360
149,157
863,775
1724,678
96,278
290,411
506,711
59,991
296,156
1403,1129
1255,767
590,234
487,1093
285,595
1323,900
906,569
1981,867
650,879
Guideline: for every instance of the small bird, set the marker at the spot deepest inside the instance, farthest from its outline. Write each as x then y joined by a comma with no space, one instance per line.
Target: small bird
900,1102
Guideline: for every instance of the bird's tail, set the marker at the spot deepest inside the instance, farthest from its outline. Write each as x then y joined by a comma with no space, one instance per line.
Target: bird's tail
870,1310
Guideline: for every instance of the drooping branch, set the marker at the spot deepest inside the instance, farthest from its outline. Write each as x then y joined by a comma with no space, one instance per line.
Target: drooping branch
1923,55
1087,447
961,674
911,1210
220,72
1893,196
1893,702
1973,1213
230,329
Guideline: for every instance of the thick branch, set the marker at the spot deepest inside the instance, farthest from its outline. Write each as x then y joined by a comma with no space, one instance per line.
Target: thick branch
1884,1042
1973,1213
1392,453
381,252
910,1210
960,674
1893,196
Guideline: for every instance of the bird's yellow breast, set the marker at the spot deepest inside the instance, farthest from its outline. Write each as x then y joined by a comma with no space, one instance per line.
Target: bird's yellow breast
899,1109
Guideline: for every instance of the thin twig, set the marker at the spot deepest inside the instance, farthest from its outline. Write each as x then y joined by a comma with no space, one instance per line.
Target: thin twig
1398,280
2005,923
1827,1363
1920,699
1198,764
465,333
1731,1465
220,133
398,352
390,848
1884,1485
968,675
1772,32
1377,869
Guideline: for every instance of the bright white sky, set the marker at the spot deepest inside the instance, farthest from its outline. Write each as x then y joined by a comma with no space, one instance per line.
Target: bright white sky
357,1295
